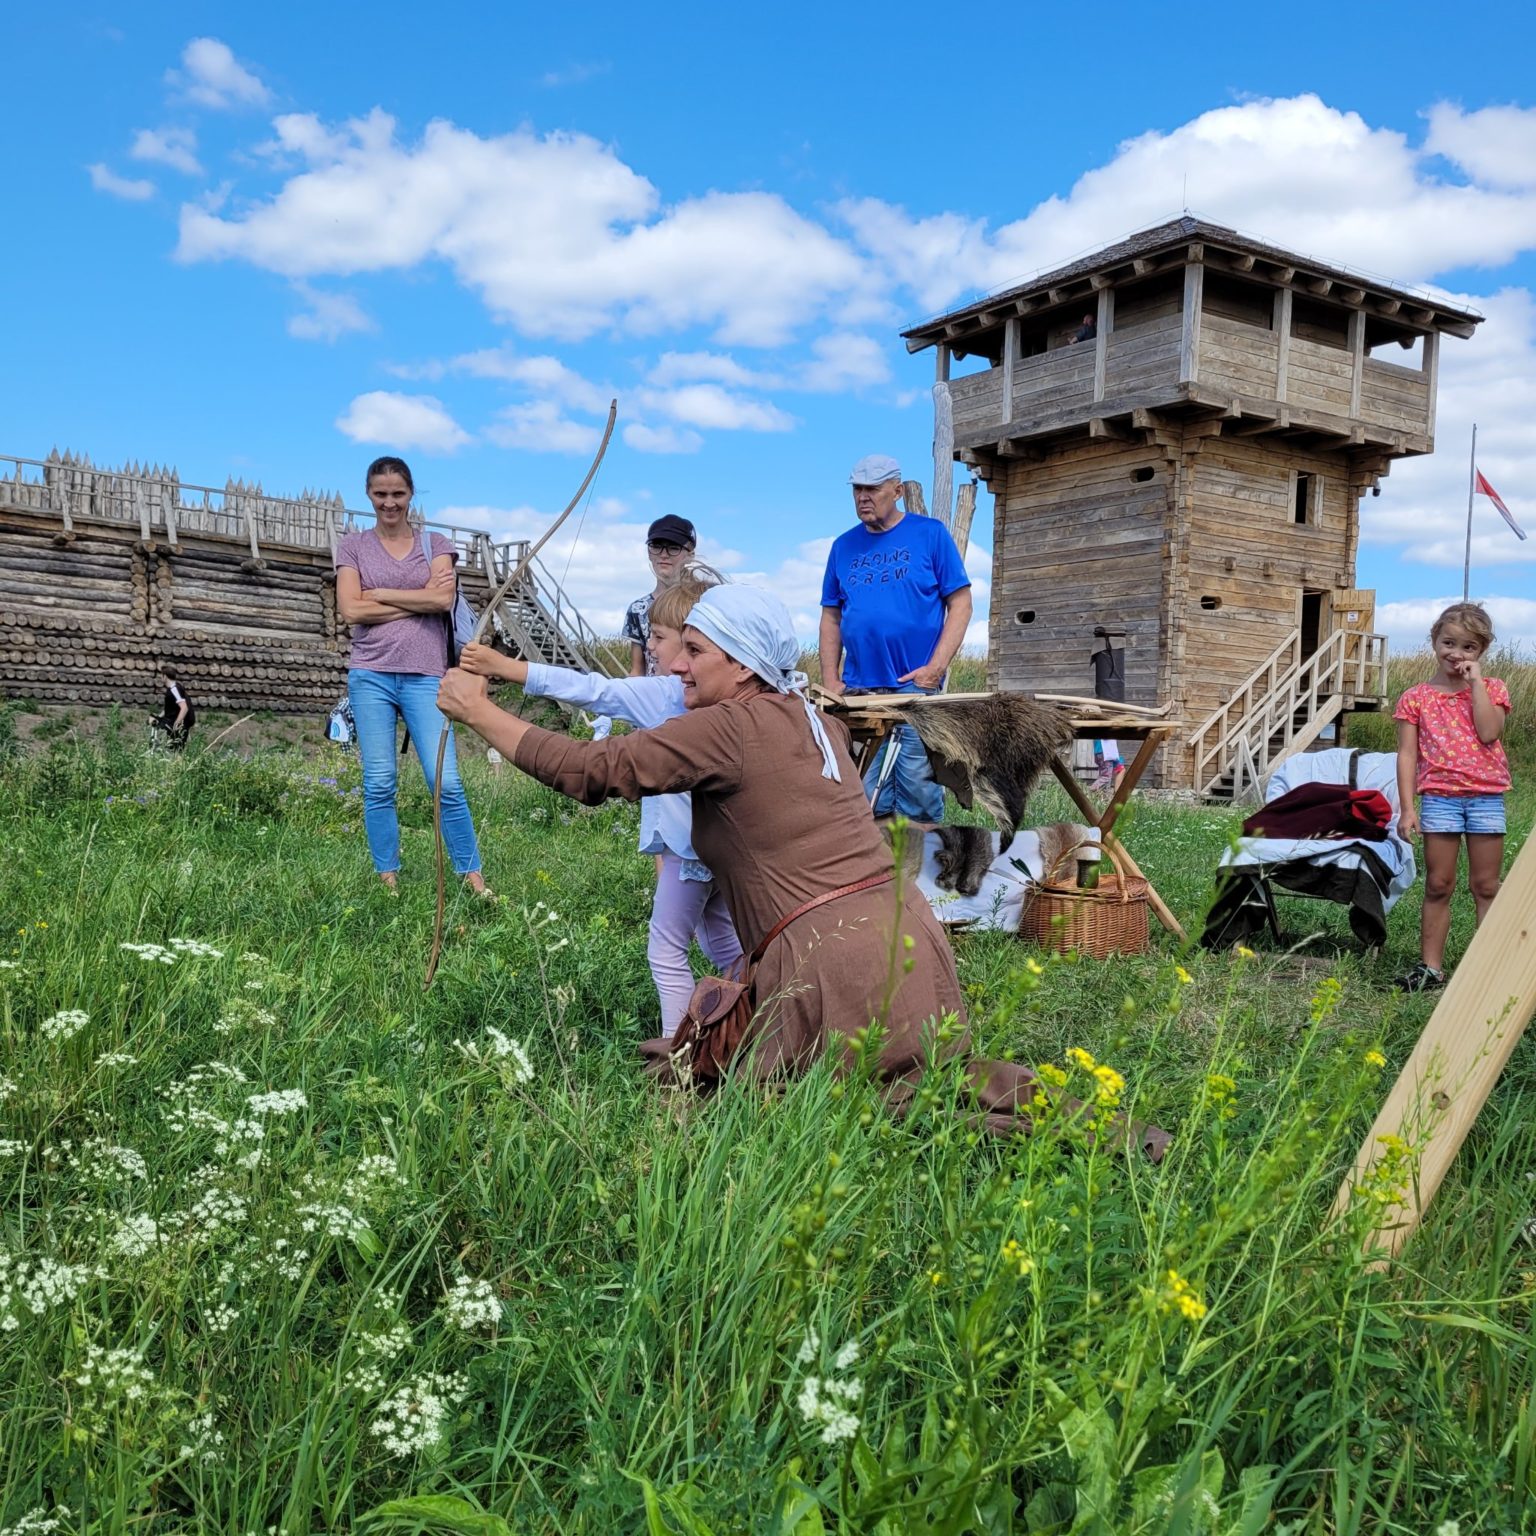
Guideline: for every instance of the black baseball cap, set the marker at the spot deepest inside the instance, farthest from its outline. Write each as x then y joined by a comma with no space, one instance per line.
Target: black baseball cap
675,530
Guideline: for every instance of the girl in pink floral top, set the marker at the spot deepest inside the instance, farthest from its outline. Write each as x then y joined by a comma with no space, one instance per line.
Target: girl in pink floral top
1449,754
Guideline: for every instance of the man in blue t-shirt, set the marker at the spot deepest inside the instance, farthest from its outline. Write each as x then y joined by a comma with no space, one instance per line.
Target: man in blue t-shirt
895,603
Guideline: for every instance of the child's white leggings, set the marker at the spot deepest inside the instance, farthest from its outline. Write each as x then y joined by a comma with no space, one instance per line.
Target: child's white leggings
683,910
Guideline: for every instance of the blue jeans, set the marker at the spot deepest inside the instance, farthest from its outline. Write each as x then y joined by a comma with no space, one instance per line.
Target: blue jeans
376,698
909,789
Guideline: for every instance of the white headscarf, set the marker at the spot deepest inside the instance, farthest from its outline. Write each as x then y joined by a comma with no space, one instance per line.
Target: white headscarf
753,627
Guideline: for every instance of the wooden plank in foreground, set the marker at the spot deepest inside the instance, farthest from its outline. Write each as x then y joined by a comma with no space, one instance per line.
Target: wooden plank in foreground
1453,1069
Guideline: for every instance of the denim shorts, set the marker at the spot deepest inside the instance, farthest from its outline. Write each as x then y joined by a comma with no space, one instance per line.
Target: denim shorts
1475,814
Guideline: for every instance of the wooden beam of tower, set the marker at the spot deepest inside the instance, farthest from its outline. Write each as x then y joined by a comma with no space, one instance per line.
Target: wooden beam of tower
1453,1069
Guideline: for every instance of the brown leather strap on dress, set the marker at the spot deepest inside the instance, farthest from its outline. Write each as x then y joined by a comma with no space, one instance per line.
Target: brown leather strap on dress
819,901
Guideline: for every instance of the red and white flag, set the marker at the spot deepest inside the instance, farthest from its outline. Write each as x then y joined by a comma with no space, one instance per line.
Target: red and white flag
1484,489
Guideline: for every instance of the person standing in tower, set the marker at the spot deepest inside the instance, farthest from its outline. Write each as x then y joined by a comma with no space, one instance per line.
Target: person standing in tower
895,603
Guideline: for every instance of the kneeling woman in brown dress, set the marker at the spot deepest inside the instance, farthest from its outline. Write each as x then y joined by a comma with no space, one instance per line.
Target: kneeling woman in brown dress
780,817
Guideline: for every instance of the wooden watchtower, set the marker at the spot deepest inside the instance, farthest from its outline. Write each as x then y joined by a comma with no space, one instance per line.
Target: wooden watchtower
1190,473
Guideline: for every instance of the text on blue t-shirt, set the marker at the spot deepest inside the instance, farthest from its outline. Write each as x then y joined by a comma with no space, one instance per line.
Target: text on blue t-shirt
891,588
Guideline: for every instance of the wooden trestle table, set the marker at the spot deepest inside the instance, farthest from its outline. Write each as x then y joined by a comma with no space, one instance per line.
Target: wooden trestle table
871,717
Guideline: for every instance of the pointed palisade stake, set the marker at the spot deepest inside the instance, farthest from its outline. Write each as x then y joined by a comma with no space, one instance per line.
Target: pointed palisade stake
1453,1069
513,577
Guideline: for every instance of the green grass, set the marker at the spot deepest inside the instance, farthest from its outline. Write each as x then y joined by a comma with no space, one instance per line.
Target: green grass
664,1275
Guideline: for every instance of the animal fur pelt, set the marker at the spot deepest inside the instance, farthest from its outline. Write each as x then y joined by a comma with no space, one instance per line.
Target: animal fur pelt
965,854
990,751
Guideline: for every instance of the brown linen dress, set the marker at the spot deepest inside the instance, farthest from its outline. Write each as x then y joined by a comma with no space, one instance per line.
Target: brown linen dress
776,833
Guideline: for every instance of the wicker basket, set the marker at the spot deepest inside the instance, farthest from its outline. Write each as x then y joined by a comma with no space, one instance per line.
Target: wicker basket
1109,918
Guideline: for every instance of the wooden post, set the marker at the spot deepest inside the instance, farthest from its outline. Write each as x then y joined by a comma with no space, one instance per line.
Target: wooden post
168,507
1453,1069
965,510
1283,301
912,498
142,502
250,528
1106,319
1189,344
941,363
1430,366
1356,359
1010,361
943,454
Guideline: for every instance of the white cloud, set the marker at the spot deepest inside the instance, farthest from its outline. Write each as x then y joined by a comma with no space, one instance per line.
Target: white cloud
212,76
402,422
844,361
540,426
717,367
1297,171
329,317
1496,145
575,74
175,147
1490,379
710,406
108,181
1406,624
644,439
556,233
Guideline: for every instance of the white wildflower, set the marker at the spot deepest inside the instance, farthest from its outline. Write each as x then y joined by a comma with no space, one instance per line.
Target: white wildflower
36,1285
38,1522
10,965
828,1402
810,1347
847,1356
151,953
413,1418
332,1219
113,1375
135,1236
250,957
7,1088
282,1101
64,1025
10,1148
374,1174
472,1304
100,1160
215,1209
197,949
203,1440
1448,1528
241,1141
109,1059
285,1260
254,986
387,1343
221,1319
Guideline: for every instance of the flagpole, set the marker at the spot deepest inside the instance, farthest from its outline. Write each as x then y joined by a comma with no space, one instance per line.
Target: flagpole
1466,567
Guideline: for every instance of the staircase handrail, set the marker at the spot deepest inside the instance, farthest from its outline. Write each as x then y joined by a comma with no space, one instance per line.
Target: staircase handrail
1243,695
1326,672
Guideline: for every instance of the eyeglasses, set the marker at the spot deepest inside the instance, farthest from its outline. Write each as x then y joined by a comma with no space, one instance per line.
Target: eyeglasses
664,547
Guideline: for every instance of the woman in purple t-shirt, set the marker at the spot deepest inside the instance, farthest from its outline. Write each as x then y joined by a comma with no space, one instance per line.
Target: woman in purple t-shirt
398,602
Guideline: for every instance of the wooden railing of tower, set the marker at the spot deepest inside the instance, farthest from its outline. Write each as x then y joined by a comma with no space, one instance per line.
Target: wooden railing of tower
1283,705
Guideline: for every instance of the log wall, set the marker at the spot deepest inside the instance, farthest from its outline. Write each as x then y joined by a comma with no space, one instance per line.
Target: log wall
89,619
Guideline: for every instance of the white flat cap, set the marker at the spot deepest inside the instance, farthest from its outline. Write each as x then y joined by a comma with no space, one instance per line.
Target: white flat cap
875,469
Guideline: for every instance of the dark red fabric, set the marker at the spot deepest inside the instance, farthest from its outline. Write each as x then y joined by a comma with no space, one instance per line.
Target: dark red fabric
1323,810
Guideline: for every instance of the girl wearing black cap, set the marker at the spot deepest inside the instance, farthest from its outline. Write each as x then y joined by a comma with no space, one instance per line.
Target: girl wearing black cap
669,545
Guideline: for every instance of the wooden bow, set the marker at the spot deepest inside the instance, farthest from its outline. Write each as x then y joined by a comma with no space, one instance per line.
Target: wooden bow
481,624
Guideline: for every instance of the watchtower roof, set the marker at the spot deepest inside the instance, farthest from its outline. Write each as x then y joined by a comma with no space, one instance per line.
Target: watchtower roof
1174,244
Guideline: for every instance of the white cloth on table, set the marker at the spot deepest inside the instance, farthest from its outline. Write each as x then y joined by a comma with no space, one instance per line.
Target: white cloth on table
999,902
1375,770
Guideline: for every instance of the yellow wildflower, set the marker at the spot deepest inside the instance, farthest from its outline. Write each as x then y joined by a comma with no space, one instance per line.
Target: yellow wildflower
1375,1059
1014,1257
1050,1073
1179,1296
1081,1058
1184,977
1244,953
1033,966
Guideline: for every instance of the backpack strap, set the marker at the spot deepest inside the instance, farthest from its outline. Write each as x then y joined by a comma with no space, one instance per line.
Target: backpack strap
818,901
1354,768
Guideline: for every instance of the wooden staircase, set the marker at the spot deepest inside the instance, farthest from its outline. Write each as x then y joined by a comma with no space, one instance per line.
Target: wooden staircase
1282,708
536,620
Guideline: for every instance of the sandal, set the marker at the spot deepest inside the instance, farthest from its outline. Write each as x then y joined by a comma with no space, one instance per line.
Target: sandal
1422,978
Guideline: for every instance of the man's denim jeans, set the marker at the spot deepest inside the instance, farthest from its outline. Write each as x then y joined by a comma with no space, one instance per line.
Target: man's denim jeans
909,788
376,697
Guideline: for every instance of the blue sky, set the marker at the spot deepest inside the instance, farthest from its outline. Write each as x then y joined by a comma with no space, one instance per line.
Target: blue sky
272,243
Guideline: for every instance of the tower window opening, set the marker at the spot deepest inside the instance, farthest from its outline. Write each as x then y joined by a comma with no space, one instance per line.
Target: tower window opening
1210,603
1024,616
1142,475
1304,501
